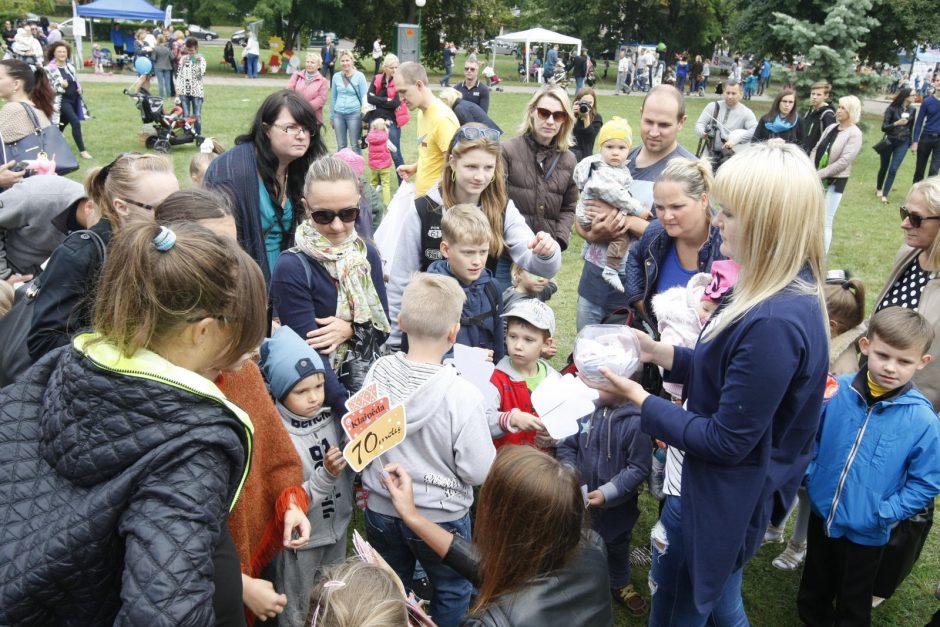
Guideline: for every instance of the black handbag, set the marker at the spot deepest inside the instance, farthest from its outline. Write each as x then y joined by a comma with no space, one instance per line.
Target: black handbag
883,146
49,141
15,325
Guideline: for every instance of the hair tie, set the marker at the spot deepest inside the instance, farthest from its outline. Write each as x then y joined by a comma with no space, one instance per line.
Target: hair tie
207,147
164,240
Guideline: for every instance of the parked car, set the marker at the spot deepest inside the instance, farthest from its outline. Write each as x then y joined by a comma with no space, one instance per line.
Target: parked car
318,38
240,37
502,47
65,27
201,33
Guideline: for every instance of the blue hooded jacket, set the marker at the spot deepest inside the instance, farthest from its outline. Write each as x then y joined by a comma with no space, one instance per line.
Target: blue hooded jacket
874,465
480,324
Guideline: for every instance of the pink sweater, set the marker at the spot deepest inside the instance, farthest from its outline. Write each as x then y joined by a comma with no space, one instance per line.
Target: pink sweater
315,91
379,155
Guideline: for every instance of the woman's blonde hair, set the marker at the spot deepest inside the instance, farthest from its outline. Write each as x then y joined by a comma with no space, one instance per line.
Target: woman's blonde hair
929,189
564,137
494,197
774,196
853,106
389,58
119,180
357,594
346,52
316,57
695,177
201,160
450,96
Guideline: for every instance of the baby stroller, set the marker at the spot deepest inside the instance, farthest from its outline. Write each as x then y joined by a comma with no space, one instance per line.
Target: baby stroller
171,128
490,75
559,76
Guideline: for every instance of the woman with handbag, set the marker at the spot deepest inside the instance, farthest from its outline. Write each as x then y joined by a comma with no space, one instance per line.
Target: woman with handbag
899,116
27,93
329,288
388,106
834,154
69,108
348,94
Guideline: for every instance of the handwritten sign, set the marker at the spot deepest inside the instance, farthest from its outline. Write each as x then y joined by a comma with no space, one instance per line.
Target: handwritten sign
382,435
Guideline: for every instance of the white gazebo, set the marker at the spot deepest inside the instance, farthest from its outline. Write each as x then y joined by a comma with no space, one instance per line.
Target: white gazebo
539,36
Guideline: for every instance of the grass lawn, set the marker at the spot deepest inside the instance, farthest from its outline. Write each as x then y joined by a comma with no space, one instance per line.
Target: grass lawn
866,237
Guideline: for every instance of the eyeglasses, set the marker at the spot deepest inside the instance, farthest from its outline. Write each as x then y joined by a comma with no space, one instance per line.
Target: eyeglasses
292,129
322,216
142,205
471,133
558,116
470,69
916,220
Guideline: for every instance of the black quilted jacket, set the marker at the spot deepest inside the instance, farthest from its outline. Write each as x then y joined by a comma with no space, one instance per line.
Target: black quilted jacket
113,491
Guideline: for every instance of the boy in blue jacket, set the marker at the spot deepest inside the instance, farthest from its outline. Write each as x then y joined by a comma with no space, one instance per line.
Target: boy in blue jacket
465,245
612,457
877,463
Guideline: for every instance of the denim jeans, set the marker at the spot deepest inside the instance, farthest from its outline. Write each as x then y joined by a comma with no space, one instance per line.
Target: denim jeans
348,124
193,108
670,584
928,148
163,78
618,559
400,547
680,84
448,71
833,198
890,162
578,83
588,313
251,65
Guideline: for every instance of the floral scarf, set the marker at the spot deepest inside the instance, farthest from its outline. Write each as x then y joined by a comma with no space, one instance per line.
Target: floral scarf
356,298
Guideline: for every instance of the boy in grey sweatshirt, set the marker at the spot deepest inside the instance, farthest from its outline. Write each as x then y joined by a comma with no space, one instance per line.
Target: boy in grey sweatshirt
447,449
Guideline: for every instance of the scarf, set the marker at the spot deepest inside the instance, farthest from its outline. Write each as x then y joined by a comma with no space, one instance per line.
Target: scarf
780,125
356,298
309,77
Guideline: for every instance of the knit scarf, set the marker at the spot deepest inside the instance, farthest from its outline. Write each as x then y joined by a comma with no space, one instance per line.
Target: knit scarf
356,298
780,125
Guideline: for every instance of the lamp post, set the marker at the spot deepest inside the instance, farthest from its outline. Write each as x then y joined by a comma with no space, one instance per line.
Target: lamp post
419,4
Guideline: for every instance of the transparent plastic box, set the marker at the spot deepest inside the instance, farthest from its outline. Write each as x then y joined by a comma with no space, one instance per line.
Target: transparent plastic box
606,345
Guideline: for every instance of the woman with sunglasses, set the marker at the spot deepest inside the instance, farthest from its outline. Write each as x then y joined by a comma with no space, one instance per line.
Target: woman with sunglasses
540,166
474,173
264,175
330,288
124,191
914,283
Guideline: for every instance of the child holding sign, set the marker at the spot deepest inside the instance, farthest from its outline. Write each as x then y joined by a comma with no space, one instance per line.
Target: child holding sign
530,325
448,449
295,377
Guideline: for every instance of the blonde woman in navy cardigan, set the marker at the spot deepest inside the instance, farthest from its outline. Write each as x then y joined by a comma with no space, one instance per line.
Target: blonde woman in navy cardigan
753,386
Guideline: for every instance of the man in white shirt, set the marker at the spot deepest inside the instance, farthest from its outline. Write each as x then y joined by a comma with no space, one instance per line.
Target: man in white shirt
377,50
726,125
624,71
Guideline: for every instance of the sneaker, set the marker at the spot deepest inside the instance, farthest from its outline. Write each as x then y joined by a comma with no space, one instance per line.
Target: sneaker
791,558
628,597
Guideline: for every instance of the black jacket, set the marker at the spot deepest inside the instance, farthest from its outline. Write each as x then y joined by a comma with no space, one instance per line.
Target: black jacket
578,594
65,303
114,490
579,66
815,122
585,136
902,133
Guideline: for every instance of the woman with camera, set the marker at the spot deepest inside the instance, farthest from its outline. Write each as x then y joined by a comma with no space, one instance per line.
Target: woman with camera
587,124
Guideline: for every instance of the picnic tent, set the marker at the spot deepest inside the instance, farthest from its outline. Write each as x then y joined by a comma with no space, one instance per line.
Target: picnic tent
118,10
537,36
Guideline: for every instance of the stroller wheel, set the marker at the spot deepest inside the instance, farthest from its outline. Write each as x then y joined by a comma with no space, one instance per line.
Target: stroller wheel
162,146
150,141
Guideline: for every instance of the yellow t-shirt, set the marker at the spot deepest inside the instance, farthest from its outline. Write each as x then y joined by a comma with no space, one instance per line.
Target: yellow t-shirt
436,127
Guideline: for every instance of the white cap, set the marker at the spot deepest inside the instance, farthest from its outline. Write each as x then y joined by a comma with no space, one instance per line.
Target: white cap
535,312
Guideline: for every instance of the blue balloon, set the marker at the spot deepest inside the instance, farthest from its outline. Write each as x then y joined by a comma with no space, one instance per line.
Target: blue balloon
143,65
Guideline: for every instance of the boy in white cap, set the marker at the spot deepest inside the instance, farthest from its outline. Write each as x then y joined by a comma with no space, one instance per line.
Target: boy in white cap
605,177
530,325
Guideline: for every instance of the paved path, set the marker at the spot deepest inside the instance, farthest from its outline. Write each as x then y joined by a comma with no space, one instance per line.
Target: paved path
875,105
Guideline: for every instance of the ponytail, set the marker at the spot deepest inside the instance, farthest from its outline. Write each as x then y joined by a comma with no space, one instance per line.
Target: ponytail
42,94
845,303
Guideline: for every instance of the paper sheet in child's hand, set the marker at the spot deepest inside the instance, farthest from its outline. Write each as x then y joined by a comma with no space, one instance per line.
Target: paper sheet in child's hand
561,402
473,365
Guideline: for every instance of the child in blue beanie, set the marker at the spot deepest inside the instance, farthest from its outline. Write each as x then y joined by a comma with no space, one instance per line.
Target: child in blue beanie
294,373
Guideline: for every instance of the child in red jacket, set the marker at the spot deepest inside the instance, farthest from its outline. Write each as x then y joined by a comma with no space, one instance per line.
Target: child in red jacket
380,158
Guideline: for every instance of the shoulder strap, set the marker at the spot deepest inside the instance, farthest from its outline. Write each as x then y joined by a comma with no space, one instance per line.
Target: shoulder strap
492,295
32,117
551,168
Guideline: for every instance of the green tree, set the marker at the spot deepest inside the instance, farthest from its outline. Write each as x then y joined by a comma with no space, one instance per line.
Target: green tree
830,47
19,7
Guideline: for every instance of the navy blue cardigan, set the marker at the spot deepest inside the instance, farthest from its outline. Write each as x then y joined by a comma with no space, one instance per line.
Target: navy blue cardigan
297,305
754,402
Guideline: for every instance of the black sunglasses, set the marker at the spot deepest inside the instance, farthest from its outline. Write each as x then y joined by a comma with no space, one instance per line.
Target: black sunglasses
916,220
558,116
322,216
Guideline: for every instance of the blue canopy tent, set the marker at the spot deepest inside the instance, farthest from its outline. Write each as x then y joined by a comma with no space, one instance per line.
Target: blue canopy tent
120,10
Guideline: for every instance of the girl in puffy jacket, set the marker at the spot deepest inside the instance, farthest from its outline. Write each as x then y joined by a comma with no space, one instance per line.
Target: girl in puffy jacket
380,158
124,458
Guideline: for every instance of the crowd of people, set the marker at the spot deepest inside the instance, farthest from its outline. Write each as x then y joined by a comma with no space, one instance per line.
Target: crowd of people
173,428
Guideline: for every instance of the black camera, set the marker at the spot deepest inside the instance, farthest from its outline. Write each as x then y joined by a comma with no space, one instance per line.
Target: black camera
583,107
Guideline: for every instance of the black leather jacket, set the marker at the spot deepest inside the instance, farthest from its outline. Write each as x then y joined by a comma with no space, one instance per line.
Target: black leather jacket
576,595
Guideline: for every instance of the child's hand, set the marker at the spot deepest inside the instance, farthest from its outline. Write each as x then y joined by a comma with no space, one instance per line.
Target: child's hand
524,421
595,498
334,462
296,527
261,597
550,349
489,356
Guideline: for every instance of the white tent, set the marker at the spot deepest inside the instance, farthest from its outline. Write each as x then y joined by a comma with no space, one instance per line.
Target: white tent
539,36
